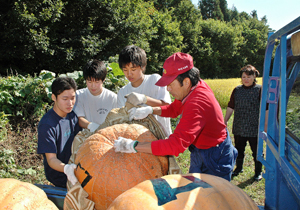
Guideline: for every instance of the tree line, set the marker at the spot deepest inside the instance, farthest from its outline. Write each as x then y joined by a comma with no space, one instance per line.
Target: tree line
62,35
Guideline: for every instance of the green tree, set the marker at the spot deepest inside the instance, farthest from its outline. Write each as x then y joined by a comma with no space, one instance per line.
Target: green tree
233,14
24,36
211,9
224,9
61,36
220,45
166,41
255,38
254,14
162,5
190,19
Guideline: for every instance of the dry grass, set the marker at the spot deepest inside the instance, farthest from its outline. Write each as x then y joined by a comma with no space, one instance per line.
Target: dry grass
223,88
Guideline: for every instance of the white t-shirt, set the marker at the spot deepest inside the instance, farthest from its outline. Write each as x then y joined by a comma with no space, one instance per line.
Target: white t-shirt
149,88
94,108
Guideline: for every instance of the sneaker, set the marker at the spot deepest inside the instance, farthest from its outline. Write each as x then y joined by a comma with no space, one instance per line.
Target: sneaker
258,177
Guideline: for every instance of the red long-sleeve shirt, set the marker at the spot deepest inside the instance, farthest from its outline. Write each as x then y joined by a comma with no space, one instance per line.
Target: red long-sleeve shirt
201,124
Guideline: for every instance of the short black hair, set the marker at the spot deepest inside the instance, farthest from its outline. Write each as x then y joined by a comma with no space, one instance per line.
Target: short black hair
61,84
193,74
95,69
133,54
249,70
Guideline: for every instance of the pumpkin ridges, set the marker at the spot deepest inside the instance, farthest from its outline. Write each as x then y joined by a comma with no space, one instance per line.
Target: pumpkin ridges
228,187
204,192
109,134
109,169
145,137
147,165
5,189
142,130
121,202
91,144
18,195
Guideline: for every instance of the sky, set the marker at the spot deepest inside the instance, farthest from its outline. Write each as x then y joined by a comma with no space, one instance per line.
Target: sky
278,12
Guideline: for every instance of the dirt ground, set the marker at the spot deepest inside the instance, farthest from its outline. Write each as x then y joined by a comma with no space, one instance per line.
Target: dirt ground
22,140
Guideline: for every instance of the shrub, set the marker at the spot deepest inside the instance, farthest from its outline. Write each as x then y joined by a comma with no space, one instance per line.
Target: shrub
25,97
29,97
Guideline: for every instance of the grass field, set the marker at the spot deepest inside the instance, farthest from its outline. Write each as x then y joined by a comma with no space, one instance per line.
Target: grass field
222,89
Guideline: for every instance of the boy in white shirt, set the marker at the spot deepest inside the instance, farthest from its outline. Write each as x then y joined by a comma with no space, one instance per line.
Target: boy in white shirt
94,102
142,89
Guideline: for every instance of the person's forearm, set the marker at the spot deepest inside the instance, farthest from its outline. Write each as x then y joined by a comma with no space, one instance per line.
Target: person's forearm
228,114
156,110
155,102
55,163
144,147
83,122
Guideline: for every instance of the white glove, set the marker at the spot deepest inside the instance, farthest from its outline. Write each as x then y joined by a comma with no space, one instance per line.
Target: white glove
93,126
125,145
136,98
140,113
69,171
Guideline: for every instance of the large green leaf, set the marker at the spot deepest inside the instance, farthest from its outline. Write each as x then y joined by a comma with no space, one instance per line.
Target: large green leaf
117,71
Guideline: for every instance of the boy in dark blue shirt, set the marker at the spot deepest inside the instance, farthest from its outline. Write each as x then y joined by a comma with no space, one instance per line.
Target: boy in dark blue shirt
56,132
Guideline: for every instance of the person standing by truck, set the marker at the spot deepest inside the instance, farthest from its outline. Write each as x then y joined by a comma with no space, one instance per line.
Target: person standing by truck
56,132
245,103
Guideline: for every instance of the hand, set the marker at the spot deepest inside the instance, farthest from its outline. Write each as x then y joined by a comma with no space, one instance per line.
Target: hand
136,98
93,126
69,171
140,113
125,145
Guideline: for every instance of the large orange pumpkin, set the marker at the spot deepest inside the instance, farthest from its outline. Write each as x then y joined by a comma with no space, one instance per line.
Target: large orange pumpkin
177,192
18,195
104,174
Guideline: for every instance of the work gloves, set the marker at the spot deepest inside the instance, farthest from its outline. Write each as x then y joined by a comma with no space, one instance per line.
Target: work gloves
125,145
136,98
69,171
139,113
93,126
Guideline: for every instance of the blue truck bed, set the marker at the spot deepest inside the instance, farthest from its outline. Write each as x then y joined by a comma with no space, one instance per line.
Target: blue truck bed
281,76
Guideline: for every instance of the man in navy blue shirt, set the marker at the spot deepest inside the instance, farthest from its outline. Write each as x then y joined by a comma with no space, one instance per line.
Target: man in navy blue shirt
56,132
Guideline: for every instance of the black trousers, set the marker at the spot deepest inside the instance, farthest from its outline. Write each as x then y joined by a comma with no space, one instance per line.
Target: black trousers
240,144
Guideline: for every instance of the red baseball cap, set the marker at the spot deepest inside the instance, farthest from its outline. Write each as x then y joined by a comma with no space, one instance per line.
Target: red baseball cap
176,64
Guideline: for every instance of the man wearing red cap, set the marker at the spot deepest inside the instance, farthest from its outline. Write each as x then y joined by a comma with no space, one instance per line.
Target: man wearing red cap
201,127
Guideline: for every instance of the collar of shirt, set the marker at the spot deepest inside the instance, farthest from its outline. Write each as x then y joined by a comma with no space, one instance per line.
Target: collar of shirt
251,86
186,97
